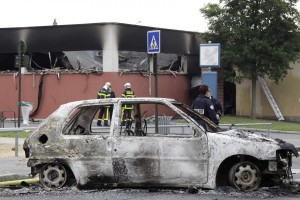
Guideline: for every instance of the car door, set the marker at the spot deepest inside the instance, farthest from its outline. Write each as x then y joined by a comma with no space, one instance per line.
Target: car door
177,157
88,148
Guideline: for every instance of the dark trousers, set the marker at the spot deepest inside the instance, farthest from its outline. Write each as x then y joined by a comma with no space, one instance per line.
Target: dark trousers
103,114
126,116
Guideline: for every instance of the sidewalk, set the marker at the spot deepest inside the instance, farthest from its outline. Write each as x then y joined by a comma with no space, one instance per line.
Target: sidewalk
12,167
7,140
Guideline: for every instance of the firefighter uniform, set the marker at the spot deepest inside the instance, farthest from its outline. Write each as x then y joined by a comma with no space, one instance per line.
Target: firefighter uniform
104,93
127,108
111,108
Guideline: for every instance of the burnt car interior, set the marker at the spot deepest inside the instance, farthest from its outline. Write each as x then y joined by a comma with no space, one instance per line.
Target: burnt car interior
80,122
140,121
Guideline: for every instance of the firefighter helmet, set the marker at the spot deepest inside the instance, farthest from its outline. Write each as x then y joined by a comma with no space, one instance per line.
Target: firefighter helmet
108,84
127,85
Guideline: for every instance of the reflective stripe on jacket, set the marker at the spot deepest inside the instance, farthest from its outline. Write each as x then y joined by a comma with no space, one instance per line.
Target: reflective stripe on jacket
103,94
128,93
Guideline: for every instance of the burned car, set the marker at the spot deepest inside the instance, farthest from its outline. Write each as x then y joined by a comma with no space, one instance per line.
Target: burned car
160,145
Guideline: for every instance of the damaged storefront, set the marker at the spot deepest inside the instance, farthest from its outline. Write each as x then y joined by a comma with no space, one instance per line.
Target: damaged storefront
89,46
97,53
92,61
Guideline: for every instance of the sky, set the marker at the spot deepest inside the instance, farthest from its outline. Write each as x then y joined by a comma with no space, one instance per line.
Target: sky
170,14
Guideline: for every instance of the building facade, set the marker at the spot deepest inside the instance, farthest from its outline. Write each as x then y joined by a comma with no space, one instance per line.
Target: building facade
73,62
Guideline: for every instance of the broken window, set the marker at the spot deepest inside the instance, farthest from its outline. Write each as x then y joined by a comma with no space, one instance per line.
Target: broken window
170,62
194,115
71,60
129,61
82,121
140,61
72,126
133,61
139,120
85,59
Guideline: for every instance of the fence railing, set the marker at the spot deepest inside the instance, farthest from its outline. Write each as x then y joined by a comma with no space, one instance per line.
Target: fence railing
3,118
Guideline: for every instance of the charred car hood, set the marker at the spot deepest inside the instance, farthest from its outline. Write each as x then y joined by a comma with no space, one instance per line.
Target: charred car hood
251,136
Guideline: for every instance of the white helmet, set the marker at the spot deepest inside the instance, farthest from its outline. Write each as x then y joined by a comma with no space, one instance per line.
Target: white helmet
127,85
108,84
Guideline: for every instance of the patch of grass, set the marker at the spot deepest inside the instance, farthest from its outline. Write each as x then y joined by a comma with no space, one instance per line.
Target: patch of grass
276,125
13,134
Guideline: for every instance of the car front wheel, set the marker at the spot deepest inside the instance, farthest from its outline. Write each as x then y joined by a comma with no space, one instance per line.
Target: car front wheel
54,176
245,176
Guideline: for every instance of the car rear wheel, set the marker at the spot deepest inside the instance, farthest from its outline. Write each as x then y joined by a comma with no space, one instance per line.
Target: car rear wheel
54,176
245,176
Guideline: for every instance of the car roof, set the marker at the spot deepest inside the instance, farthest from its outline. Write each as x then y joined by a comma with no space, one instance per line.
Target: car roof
115,100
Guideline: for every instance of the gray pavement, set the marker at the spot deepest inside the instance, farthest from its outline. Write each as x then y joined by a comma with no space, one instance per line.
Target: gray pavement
12,167
6,140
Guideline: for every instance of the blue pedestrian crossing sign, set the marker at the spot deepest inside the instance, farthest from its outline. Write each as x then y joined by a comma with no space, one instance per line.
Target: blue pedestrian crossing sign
153,42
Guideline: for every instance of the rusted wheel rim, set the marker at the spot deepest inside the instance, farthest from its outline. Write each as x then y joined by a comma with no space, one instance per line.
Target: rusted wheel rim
245,176
53,176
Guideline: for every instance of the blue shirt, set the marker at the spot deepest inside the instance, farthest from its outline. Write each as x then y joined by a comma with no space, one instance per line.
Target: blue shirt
204,106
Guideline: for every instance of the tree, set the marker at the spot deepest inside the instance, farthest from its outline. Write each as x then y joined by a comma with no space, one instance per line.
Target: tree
260,37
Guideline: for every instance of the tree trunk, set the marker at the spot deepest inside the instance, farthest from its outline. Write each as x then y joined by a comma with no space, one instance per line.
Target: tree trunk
253,100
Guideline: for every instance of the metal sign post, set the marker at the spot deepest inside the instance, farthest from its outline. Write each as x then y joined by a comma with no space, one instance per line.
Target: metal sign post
21,52
153,47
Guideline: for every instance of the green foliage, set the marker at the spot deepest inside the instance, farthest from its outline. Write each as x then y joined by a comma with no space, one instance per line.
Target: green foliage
276,125
260,37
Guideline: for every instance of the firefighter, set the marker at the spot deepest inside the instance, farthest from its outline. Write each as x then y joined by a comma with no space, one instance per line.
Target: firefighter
111,107
127,108
204,106
104,93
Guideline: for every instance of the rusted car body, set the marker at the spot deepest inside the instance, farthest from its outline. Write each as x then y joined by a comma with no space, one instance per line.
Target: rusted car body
174,152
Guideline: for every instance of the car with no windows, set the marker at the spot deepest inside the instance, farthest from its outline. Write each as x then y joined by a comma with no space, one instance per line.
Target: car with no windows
160,144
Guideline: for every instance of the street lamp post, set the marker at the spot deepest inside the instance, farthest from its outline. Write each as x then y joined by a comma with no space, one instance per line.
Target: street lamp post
21,52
